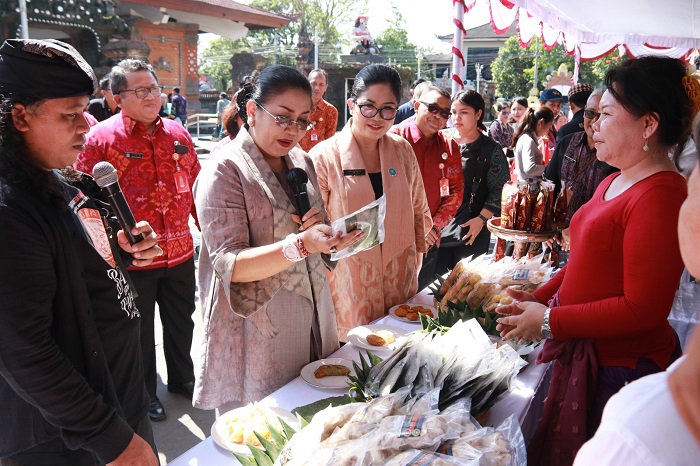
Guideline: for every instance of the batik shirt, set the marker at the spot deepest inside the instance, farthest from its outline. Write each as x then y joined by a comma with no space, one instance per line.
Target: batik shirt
146,167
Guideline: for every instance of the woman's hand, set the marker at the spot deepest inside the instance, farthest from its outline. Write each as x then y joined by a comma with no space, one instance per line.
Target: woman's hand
432,237
475,225
526,324
563,238
514,309
311,218
144,251
320,238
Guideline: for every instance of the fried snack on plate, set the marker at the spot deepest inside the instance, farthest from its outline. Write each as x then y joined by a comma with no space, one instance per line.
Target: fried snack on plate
401,311
413,316
330,370
380,338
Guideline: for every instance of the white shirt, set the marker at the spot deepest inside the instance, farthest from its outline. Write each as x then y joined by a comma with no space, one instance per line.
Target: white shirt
529,161
641,427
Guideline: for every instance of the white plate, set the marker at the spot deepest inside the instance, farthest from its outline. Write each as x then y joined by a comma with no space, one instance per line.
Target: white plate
392,313
358,335
219,430
307,374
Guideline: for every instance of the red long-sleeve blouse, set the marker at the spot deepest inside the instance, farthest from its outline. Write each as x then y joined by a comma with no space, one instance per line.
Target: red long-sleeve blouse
623,270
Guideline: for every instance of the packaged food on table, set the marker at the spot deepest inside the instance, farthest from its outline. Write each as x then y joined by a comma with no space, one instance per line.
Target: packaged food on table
411,457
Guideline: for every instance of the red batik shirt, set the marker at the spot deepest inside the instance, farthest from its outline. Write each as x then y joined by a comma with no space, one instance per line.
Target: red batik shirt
146,168
324,118
430,155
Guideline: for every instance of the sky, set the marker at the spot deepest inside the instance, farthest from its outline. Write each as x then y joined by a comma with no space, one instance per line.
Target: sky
424,20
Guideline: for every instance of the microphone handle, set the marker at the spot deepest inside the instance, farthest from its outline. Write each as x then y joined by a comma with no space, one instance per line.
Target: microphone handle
303,202
123,212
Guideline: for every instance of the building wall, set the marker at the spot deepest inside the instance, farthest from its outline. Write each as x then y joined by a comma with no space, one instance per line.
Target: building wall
174,56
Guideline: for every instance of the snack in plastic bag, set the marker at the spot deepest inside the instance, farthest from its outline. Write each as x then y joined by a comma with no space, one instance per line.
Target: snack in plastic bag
416,457
369,219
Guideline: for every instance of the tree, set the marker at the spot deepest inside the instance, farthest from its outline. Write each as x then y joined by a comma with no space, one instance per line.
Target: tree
215,60
514,67
395,44
508,69
324,16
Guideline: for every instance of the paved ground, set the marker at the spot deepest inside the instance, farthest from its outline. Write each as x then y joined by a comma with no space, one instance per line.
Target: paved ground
185,425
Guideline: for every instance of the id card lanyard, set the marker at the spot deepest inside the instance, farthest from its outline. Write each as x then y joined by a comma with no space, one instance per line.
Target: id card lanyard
313,133
444,182
181,184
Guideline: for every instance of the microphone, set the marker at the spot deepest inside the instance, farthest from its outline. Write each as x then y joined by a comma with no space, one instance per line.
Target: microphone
297,179
105,176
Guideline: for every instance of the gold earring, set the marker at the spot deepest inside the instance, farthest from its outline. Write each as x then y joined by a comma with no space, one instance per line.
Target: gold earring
646,145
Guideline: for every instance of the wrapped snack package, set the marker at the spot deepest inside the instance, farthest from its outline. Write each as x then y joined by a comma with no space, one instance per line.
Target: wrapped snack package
301,447
499,251
366,419
510,200
422,432
524,215
539,210
561,205
502,446
454,275
416,457
549,187
481,292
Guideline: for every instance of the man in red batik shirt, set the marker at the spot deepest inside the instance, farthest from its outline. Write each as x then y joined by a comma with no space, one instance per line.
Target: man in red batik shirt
157,165
440,164
324,116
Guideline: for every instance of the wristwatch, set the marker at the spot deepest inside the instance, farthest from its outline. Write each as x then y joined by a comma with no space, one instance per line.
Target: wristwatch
484,219
546,330
290,250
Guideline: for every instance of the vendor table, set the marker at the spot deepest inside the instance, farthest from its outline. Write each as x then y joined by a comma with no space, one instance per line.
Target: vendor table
526,400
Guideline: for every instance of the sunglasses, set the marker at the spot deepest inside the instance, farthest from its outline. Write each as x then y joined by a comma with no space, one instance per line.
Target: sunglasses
436,110
591,114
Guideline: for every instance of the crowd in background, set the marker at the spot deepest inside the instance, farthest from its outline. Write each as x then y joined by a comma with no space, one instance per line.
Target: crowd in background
79,307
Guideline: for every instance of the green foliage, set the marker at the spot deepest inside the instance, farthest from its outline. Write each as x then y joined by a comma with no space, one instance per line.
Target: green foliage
326,16
514,67
270,450
215,60
357,381
395,44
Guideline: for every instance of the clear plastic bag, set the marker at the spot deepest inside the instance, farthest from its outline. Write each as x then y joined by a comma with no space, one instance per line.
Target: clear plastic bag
502,446
685,312
369,219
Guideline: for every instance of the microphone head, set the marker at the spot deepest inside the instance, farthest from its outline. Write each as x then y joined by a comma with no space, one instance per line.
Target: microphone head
297,177
104,174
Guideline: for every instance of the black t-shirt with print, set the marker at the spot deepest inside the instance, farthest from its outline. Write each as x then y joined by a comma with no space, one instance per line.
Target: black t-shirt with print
116,317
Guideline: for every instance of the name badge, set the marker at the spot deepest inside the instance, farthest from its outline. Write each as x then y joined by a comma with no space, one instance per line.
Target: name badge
357,172
181,184
133,155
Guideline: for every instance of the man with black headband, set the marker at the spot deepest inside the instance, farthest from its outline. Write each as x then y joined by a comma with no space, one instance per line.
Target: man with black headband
71,386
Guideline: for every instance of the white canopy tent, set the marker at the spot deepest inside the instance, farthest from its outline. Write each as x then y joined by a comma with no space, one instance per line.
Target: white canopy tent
589,29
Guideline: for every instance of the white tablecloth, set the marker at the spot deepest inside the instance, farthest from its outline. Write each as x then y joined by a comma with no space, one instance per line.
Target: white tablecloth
526,400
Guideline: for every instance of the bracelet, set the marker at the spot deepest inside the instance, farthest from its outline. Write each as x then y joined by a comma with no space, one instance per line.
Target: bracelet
483,218
300,245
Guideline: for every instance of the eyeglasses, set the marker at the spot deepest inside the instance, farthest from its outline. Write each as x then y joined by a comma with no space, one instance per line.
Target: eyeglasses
591,114
505,112
369,111
142,92
435,110
285,121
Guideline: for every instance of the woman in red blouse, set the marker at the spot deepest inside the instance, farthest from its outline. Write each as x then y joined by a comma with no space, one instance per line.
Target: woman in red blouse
605,314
